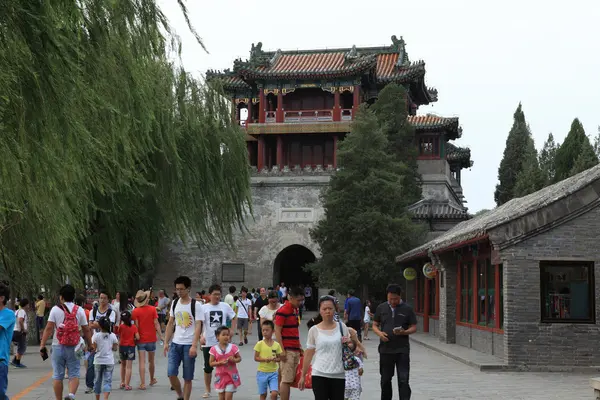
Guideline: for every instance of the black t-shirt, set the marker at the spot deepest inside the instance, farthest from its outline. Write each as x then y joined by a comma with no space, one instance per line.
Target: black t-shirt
259,303
403,316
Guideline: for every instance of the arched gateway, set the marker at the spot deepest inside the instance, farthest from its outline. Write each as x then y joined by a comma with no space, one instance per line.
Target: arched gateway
289,266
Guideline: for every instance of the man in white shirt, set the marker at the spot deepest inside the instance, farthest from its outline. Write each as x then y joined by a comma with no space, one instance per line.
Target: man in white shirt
216,313
63,356
244,310
20,333
188,316
284,292
103,310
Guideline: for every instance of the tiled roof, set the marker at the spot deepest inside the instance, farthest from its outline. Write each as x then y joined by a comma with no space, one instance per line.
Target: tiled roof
229,79
388,69
432,122
510,211
459,155
437,209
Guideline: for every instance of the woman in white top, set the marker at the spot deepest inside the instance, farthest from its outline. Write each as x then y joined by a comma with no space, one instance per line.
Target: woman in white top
267,313
367,320
324,351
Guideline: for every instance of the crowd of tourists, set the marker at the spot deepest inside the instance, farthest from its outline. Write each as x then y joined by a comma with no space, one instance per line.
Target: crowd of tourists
108,334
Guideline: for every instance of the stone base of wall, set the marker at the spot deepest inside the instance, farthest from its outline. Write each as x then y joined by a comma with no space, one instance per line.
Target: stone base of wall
480,340
434,326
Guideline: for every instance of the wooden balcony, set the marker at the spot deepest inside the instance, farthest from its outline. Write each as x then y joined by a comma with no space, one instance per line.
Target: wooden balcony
307,116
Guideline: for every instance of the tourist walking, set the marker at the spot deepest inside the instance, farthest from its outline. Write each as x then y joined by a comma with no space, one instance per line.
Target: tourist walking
259,303
393,322
336,316
224,356
230,301
128,334
104,342
267,353
354,370
146,320
215,313
367,320
267,312
163,307
65,321
102,310
7,325
308,297
324,350
185,329
288,336
353,313
40,312
244,314
20,333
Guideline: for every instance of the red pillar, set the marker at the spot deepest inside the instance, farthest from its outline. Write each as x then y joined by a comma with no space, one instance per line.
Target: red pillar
475,287
426,305
279,112
459,278
497,295
260,163
335,142
356,100
280,151
262,107
337,111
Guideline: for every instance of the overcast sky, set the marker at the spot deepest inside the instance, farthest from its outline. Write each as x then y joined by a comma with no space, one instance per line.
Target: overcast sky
484,59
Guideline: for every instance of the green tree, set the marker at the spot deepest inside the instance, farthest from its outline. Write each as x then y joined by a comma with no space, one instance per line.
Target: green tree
547,158
366,223
391,110
597,143
481,212
530,178
518,148
107,148
576,146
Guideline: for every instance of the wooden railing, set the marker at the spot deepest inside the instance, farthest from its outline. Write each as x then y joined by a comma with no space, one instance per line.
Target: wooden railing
308,116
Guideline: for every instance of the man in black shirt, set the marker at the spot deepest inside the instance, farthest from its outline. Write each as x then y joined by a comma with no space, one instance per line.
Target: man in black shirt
394,320
258,304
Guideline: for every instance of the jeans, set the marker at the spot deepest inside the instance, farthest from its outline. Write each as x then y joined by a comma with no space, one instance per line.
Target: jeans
328,388
178,354
91,372
151,347
3,380
387,364
63,357
103,382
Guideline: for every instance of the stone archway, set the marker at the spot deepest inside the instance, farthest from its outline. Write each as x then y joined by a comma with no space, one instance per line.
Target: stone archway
289,268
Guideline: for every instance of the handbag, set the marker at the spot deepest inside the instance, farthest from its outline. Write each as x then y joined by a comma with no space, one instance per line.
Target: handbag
307,377
348,357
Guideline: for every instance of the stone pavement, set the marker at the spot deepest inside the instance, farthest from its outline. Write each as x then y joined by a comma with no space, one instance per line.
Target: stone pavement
433,376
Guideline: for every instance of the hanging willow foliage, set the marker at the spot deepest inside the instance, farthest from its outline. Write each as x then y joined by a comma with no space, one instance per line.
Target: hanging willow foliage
106,147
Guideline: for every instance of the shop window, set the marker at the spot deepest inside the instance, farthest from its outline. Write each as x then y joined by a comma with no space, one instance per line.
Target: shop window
567,291
466,277
486,296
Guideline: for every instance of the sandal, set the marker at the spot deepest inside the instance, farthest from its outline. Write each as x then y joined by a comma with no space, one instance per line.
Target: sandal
206,395
241,343
128,388
122,386
153,382
142,387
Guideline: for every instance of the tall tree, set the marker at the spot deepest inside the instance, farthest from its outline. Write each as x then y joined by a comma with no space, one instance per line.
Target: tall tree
597,143
106,147
518,148
366,222
576,145
547,158
391,110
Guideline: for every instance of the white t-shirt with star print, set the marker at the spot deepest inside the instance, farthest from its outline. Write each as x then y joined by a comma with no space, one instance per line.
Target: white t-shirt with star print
214,317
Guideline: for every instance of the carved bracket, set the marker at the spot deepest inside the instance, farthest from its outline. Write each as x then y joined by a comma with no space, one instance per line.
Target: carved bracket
346,89
331,89
285,91
242,100
255,100
274,91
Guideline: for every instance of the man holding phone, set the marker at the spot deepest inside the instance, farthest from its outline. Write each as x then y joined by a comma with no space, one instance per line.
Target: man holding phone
394,320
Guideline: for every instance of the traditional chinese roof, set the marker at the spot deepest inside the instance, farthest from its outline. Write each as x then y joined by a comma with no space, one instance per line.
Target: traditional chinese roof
434,123
460,156
229,79
429,208
480,226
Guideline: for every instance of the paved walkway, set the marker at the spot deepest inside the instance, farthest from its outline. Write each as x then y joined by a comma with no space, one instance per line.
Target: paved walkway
433,376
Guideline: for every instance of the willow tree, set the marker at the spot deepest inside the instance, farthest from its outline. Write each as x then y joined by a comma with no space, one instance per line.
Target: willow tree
107,148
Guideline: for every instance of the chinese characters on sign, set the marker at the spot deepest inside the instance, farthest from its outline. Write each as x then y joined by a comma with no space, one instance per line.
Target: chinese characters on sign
296,215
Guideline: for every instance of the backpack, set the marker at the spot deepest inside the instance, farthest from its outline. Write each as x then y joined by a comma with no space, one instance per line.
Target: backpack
67,333
193,304
95,311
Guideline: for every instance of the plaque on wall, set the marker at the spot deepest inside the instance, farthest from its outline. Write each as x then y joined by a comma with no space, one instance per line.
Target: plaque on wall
296,215
232,272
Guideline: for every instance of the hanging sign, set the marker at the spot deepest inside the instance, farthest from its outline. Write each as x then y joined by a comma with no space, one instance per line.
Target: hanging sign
410,274
429,271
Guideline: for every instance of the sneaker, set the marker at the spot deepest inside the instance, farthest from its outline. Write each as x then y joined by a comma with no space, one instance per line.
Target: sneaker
13,363
20,365
89,390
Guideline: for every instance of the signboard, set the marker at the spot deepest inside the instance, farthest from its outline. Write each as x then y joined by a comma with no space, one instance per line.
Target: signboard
232,272
410,274
429,270
296,215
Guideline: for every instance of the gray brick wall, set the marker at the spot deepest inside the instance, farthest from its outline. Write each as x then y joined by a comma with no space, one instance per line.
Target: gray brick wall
447,322
527,341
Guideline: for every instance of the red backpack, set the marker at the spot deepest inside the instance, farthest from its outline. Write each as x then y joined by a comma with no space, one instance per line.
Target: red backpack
67,333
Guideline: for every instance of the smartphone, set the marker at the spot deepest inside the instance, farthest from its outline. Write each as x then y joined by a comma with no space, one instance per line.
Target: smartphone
398,329
44,354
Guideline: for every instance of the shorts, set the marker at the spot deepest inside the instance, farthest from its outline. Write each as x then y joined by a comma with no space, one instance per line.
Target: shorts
242,323
267,382
20,340
178,354
288,367
151,347
127,353
206,354
228,389
63,357
162,318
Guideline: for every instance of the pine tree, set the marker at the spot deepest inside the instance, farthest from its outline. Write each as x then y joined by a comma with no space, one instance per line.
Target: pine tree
366,223
547,158
597,143
518,148
576,146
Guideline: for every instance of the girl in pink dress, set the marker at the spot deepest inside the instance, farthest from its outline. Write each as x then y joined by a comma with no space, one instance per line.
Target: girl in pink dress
224,357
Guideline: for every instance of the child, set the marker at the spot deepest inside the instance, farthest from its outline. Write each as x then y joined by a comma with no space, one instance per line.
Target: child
367,320
353,385
266,352
104,343
224,356
128,336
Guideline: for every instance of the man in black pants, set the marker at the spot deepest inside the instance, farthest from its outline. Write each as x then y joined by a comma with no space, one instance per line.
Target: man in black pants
394,320
259,303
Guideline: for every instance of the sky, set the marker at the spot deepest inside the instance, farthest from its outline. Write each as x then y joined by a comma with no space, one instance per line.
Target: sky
483,57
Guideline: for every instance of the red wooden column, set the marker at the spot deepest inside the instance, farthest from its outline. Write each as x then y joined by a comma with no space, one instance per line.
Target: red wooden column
262,107
335,142
458,291
279,112
426,305
475,288
337,111
260,163
356,100
497,295
280,151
